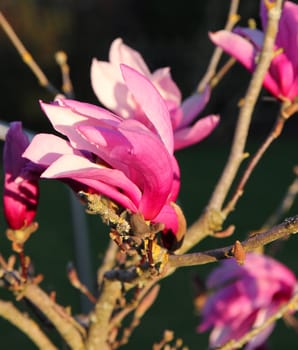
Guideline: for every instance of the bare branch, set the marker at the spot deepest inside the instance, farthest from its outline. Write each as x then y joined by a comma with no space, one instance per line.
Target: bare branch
26,325
67,327
206,223
231,21
26,56
99,327
287,227
273,135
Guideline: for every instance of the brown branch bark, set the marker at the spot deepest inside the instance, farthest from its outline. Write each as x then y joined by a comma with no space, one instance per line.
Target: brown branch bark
67,327
286,228
99,328
26,325
232,19
206,223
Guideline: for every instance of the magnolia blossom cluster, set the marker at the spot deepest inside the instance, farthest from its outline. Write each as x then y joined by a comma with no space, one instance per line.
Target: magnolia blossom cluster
125,153
242,297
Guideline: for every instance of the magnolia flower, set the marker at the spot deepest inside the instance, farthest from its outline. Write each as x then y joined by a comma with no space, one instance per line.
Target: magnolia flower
245,44
119,158
243,297
112,92
20,196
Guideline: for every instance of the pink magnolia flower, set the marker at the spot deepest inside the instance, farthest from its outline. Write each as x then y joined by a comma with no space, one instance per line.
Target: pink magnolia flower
244,297
20,197
245,44
120,158
112,92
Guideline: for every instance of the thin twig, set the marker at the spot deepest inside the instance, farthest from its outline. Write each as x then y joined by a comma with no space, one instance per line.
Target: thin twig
206,223
26,56
26,325
286,228
291,305
222,71
273,135
61,59
231,21
108,261
285,204
253,91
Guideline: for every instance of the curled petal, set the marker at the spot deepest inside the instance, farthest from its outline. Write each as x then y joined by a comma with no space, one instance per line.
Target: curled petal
152,104
193,105
200,130
109,88
166,86
236,46
44,149
110,182
153,174
121,53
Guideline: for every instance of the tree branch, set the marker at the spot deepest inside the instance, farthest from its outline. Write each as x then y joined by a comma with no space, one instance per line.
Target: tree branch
26,56
231,21
67,327
26,325
287,227
99,327
206,223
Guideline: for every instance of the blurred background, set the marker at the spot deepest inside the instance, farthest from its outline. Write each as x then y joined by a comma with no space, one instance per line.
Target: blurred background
167,33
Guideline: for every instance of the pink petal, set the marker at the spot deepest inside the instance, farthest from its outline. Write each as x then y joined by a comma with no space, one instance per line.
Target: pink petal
162,80
193,105
151,103
109,88
154,175
66,120
121,53
110,182
287,35
196,133
236,46
44,149
168,217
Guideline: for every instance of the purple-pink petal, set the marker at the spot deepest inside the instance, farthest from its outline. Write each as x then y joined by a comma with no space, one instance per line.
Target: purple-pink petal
192,106
196,133
236,46
110,182
151,103
152,173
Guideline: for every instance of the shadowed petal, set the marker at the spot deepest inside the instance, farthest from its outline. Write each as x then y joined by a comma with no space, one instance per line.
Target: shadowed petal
193,105
148,163
110,182
193,134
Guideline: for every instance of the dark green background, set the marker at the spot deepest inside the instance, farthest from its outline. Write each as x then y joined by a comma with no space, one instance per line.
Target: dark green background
168,33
